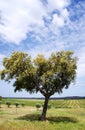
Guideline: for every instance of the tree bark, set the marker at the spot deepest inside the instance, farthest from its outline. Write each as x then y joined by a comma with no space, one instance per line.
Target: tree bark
43,116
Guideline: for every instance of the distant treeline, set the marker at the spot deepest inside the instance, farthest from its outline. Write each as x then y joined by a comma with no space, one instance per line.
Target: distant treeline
53,98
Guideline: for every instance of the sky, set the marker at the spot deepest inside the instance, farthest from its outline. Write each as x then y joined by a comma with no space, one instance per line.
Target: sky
43,26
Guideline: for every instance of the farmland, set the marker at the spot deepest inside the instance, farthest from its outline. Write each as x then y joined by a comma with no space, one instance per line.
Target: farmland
63,115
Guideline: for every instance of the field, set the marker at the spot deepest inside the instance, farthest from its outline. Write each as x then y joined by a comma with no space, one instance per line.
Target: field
63,115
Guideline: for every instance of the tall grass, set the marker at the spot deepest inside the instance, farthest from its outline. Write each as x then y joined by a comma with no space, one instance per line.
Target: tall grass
69,115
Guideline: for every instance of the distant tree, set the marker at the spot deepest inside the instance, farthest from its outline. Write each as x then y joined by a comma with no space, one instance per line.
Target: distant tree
38,105
8,103
22,104
16,104
45,75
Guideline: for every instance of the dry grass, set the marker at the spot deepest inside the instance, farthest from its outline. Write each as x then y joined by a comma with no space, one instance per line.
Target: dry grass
26,118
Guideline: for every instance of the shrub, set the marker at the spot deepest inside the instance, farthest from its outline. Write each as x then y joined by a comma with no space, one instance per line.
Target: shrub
16,104
38,105
8,103
22,104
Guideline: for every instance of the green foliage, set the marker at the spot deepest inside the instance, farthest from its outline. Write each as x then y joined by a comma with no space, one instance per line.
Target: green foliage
8,103
16,104
38,105
22,104
48,76
45,75
0,98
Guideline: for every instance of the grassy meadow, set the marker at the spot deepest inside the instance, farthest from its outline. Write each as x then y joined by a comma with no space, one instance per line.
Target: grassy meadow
63,115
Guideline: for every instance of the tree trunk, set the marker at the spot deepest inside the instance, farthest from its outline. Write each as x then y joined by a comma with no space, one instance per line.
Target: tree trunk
43,116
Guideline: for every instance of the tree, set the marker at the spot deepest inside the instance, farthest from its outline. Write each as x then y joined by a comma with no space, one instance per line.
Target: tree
16,104
8,103
22,104
45,75
38,105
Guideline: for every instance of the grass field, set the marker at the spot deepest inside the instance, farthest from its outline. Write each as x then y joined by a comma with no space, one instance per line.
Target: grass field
63,115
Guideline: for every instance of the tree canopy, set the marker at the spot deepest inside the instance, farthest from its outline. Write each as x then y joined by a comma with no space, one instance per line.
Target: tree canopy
45,75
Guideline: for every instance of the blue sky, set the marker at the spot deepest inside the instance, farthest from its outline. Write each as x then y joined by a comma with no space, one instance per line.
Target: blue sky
43,26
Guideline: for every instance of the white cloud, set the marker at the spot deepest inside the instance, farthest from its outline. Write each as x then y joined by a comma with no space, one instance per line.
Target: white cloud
58,21
53,26
81,62
17,18
62,15
57,4
65,14
1,56
20,17
46,49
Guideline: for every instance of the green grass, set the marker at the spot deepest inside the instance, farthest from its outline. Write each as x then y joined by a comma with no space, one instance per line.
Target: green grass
27,102
55,103
64,115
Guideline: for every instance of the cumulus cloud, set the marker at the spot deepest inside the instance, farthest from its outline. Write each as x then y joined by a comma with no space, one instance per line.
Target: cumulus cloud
58,21
18,18
51,24
44,26
57,4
